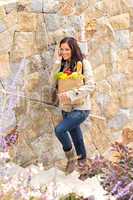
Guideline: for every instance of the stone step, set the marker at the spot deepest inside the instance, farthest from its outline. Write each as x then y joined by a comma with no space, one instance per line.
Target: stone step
11,169
55,180
59,184
46,177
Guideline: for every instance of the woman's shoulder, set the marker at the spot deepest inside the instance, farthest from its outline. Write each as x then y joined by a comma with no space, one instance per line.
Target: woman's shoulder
87,67
87,64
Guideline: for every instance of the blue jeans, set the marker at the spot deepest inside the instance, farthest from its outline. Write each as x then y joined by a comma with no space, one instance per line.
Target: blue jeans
71,124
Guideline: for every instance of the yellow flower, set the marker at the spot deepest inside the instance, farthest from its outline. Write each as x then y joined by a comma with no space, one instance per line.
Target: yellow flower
76,75
60,75
64,76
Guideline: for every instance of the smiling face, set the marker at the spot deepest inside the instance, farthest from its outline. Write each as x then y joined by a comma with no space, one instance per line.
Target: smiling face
65,51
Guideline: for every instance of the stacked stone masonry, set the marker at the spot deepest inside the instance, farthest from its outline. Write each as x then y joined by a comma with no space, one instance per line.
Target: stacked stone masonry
29,33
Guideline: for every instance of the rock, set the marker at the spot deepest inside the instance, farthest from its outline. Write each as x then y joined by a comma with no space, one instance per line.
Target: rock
45,6
126,69
41,24
50,6
47,61
96,54
101,134
90,24
100,72
27,22
122,39
10,7
11,20
24,5
83,47
103,87
118,122
47,94
41,34
108,104
5,41
53,19
111,109
4,66
103,99
55,36
127,136
66,8
113,9
22,153
36,123
120,22
126,98
122,57
130,53
131,37
37,6
130,3
24,45
81,6
41,41
118,82
2,12
31,81
37,61
2,27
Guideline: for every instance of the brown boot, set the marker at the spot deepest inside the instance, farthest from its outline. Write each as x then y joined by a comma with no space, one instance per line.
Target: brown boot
82,165
71,163
83,168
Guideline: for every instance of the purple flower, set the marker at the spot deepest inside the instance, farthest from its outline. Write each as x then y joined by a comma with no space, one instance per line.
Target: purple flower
116,187
126,192
11,138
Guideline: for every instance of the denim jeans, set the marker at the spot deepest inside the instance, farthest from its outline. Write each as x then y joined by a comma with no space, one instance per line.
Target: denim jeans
70,126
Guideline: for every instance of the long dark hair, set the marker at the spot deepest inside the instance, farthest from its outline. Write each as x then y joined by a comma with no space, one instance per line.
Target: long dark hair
76,54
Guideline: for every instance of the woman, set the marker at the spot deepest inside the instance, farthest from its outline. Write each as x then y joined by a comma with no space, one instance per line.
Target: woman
73,116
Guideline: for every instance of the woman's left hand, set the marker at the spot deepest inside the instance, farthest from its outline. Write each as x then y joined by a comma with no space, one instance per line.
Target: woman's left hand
64,98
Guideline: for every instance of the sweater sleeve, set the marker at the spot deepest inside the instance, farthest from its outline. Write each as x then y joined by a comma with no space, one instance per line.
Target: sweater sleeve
88,86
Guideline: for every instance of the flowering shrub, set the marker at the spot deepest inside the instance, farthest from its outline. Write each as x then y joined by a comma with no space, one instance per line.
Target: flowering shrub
116,178
9,139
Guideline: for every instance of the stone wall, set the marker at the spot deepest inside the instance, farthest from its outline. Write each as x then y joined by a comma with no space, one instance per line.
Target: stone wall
29,33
